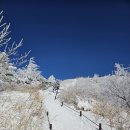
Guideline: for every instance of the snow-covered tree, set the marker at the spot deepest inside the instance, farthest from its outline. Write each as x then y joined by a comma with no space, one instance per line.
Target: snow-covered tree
114,99
9,58
32,71
4,63
54,82
7,72
119,86
30,74
11,61
52,79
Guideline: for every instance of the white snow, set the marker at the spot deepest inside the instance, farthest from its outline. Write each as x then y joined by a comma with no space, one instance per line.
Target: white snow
63,118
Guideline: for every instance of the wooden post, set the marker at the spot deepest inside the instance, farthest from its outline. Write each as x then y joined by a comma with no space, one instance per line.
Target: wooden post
83,108
50,126
80,113
100,126
47,113
61,104
55,97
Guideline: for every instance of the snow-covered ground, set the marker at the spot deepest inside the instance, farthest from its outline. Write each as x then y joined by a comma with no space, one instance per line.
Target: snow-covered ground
63,118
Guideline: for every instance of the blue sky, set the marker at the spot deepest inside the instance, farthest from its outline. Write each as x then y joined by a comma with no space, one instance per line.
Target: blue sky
72,38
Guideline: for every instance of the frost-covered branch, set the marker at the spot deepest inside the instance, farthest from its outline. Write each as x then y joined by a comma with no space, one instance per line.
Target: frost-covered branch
11,50
20,60
4,32
23,59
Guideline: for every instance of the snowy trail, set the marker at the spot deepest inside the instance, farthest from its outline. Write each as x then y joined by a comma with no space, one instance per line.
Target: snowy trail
63,118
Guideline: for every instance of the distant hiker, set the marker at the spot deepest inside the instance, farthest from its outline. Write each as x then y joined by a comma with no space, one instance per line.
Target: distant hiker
53,89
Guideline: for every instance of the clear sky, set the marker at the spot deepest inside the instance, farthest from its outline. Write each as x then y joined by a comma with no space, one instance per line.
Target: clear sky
72,38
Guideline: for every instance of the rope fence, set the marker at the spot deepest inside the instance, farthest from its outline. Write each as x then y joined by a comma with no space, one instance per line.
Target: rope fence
80,114
97,126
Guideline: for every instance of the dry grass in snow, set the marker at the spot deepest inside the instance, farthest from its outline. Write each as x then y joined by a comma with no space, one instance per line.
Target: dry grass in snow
21,110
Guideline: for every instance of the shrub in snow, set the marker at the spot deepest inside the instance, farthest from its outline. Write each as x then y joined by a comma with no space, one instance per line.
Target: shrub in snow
69,97
110,96
116,92
116,117
21,110
118,87
84,105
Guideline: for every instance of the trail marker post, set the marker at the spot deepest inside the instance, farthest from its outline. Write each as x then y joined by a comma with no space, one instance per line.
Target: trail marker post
61,104
47,113
50,126
100,126
80,113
